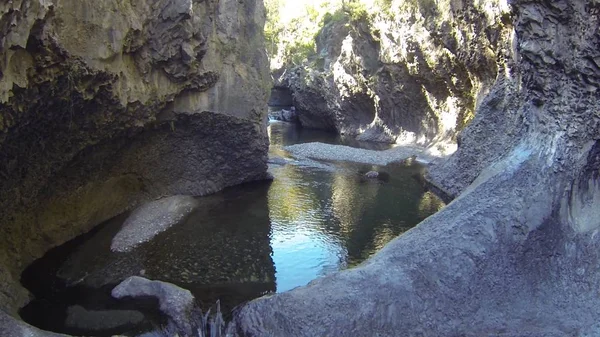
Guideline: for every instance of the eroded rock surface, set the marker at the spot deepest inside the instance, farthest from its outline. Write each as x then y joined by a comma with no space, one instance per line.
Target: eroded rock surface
108,104
413,72
516,253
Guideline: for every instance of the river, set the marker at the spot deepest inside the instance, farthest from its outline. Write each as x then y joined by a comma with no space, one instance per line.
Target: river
313,219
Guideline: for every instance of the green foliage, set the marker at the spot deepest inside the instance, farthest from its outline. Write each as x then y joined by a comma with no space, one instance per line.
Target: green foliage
337,16
385,7
290,34
312,13
299,51
427,8
356,10
273,27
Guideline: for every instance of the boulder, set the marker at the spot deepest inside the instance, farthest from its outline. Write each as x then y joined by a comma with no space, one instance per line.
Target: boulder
175,302
284,115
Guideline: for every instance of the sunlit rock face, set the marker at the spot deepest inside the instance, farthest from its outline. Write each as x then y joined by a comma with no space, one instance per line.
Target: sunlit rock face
547,98
106,104
406,72
517,251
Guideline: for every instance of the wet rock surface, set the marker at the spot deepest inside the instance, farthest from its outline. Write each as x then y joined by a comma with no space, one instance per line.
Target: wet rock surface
177,303
515,253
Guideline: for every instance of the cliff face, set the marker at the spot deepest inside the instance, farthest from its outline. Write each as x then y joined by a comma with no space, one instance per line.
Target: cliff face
516,253
410,73
548,99
105,104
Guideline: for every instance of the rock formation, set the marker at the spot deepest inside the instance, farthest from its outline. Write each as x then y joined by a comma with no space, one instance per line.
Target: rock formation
516,253
177,303
107,104
410,73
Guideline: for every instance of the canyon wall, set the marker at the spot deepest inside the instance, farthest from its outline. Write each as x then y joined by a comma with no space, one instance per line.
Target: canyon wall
402,72
516,252
106,104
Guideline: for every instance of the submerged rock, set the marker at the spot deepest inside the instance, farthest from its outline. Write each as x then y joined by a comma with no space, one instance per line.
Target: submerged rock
211,253
148,220
177,303
376,176
80,318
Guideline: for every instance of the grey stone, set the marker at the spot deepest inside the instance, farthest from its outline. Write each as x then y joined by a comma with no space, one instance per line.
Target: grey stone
177,303
107,105
13,327
516,252
322,151
150,219
372,175
277,161
79,317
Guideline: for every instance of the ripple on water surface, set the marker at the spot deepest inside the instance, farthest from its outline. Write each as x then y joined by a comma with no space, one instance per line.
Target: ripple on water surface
243,242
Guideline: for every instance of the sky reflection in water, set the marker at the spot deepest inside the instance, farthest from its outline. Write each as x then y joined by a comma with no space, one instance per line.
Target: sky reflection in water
326,220
245,241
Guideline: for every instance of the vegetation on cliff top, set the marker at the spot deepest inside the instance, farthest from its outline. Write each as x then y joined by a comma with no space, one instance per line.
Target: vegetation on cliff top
292,25
442,51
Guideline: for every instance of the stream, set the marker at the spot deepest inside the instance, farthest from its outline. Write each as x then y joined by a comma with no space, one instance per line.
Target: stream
313,219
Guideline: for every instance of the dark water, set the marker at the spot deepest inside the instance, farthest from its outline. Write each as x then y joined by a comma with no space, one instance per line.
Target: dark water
243,242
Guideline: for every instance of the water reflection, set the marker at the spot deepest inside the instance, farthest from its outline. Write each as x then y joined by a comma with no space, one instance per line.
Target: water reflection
283,134
323,220
221,252
247,240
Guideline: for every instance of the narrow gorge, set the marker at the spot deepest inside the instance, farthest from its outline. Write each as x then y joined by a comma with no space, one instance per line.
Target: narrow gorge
136,142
